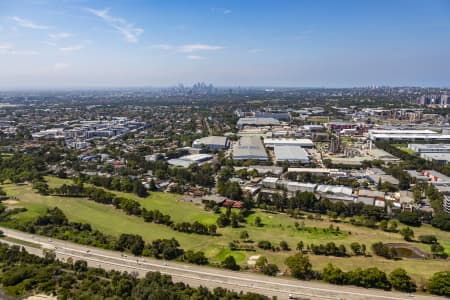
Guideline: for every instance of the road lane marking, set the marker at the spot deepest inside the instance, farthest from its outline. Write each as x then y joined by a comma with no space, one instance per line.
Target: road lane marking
22,235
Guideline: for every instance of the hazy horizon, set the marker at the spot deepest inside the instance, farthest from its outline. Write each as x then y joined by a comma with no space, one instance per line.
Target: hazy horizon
189,85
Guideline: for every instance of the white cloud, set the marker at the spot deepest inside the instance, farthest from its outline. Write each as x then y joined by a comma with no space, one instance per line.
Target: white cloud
59,35
197,47
194,57
23,52
129,31
71,48
224,11
27,23
60,66
52,44
188,48
161,47
255,50
8,48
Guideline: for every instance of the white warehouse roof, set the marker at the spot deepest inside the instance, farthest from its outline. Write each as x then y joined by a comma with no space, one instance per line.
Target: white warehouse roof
430,148
402,131
211,141
294,186
187,160
406,135
270,179
291,154
288,142
257,121
334,189
249,147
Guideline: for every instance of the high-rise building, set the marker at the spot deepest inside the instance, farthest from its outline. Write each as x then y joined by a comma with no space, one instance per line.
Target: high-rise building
439,100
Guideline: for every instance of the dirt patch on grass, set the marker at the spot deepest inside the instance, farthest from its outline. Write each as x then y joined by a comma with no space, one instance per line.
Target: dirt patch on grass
10,202
40,297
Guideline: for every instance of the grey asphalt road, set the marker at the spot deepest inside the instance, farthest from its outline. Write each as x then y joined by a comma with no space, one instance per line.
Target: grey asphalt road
206,276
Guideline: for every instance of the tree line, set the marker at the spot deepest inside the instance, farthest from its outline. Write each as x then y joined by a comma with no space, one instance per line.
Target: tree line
24,274
56,225
307,201
129,206
361,214
300,267
120,183
21,167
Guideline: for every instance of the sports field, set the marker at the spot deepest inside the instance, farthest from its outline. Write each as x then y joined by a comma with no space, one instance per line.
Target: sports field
277,227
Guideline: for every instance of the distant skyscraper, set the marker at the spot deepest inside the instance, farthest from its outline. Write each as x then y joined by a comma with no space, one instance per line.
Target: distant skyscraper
439,100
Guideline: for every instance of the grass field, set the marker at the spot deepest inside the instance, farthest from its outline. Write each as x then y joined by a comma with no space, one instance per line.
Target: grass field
167,203
21,242
407,150
277,227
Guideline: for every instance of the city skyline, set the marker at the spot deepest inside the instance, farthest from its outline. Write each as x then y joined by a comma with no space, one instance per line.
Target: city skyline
69,44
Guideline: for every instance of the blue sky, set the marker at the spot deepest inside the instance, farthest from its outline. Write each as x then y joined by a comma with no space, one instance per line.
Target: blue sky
81,43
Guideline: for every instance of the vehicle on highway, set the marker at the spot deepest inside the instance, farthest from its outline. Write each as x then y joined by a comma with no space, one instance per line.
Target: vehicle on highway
293,297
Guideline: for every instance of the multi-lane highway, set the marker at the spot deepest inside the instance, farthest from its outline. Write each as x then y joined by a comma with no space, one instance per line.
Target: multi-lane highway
206,276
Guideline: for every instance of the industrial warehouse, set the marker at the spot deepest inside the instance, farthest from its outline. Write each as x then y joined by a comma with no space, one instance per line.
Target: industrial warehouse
429,148
212,142
407,135
292,154
257,122
436,153
249,147
305,143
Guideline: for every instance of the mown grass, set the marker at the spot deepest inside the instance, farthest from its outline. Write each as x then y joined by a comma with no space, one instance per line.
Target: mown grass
167,203
407,150
102,217
21,242
277,227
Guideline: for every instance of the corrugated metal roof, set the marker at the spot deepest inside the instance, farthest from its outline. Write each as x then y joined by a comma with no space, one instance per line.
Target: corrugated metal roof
334,189
249,147
291,142
211,140
291,153
258,121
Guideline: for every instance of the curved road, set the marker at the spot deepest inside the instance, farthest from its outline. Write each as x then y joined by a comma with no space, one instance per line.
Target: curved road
201,275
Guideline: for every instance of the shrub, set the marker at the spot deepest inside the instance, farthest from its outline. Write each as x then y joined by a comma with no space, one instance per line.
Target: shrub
428,239
381,249
407,233
299,266
369,278
284,246
439,284
230,263
409,218
334,275
401,281
266,245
